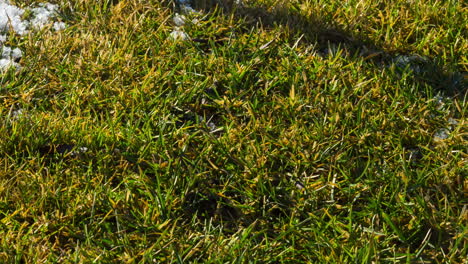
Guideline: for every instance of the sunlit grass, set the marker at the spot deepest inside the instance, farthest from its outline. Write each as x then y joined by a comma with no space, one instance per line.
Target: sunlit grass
279,132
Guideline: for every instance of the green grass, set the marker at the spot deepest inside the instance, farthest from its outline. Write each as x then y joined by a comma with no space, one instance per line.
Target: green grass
324,148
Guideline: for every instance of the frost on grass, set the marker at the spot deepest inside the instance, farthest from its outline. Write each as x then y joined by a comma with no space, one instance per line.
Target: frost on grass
12,20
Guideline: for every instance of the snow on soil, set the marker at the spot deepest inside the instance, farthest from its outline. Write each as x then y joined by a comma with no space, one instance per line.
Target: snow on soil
12,20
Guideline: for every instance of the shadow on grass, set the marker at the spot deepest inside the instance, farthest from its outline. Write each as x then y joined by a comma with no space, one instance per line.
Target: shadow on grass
327,38
427,74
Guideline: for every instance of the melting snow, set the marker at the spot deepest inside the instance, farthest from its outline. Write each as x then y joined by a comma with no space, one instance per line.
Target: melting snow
179,20
9,57
441,134
10,53
178,34
42,15
12,19
10,16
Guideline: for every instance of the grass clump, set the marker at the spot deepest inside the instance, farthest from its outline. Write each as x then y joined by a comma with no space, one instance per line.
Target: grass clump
300,131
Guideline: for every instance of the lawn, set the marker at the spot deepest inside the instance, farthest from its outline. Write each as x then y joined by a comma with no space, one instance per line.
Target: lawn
145,131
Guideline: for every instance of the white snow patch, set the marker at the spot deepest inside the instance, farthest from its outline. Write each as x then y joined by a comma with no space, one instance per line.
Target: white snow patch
12,19
8,57
42,15
59,26
5,64
179,20
10,16
10,53
178,34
